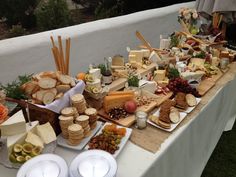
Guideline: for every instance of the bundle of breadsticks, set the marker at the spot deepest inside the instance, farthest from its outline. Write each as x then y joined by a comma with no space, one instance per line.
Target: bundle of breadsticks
61,61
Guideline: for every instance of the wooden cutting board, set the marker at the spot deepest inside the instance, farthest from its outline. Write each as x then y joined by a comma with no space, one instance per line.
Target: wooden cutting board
126,122
205,86
120,83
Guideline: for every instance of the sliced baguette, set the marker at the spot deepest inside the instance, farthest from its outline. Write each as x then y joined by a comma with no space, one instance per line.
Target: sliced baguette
64,79
48,97
47,83
191,100
31,87
50,74
59,95
39,94
174,115
62,88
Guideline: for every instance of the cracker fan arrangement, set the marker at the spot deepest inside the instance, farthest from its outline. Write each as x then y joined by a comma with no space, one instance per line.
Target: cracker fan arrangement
165,83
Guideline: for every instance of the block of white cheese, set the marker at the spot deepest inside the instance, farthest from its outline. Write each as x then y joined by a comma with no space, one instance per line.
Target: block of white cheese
46,133
20,138
138,55
96,73
34,139
14,125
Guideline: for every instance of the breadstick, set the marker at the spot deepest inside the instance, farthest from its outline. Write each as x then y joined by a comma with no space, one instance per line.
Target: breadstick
55,58
61,54
53,43
67,55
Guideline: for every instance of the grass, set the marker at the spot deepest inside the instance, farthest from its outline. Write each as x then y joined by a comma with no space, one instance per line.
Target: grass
222,162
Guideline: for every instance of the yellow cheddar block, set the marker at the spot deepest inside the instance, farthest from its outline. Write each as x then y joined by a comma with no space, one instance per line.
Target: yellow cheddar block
118,101
159,75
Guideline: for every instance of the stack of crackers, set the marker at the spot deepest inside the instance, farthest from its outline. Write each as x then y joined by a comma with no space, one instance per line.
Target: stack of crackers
79,103
83,120
76,134
69,111
92,113
65,122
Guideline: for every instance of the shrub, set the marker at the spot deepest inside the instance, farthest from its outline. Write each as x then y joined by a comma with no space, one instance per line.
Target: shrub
52,14
16,30
19,11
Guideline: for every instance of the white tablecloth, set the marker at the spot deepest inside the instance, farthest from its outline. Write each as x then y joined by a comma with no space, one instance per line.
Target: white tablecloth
184,154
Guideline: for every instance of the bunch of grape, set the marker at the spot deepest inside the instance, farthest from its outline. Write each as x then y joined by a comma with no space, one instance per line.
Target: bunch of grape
180,85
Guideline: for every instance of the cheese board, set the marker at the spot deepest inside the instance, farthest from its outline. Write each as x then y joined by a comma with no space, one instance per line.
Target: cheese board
205,86
120,83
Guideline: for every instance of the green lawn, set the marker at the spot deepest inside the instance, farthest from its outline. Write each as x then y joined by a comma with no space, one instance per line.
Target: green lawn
222,162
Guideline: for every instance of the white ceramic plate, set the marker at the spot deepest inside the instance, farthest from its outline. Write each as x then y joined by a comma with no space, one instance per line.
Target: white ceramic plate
46,165
93,163
63,142
172,126
189,109
123,140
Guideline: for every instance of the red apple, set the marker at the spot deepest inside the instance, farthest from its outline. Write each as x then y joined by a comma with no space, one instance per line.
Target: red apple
130,106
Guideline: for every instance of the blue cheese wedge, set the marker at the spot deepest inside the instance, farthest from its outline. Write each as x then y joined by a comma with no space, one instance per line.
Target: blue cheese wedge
14,125
46,133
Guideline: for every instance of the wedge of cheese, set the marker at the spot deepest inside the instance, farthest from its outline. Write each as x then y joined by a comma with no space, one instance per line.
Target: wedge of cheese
14,125
46,133
34,139
118,101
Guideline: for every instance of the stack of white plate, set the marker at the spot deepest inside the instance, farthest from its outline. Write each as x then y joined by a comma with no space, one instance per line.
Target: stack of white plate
45,165
93,163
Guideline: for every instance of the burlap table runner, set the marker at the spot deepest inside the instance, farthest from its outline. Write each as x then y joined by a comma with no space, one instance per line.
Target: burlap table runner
151,138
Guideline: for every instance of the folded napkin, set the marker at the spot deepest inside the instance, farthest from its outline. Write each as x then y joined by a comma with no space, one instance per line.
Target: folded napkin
65,101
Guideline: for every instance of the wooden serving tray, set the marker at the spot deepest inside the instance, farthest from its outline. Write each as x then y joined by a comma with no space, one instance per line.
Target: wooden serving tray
128,121
205,86
120,83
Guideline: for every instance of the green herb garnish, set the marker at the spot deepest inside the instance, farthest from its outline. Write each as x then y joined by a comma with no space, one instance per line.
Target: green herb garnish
13,89
133,81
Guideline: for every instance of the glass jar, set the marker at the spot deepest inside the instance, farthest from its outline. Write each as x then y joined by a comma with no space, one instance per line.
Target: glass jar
141,119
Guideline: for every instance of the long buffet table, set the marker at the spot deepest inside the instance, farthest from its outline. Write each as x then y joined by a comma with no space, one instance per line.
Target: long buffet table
187,150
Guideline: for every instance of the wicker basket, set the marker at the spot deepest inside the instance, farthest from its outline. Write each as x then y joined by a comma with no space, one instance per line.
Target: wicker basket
41,114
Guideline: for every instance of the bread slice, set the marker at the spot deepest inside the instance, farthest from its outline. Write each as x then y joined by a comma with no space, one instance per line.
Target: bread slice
48,97
174,115
191,100
39,94
50,74
59,95
72,83
62,88
47,83
31,87
164,124
64,79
